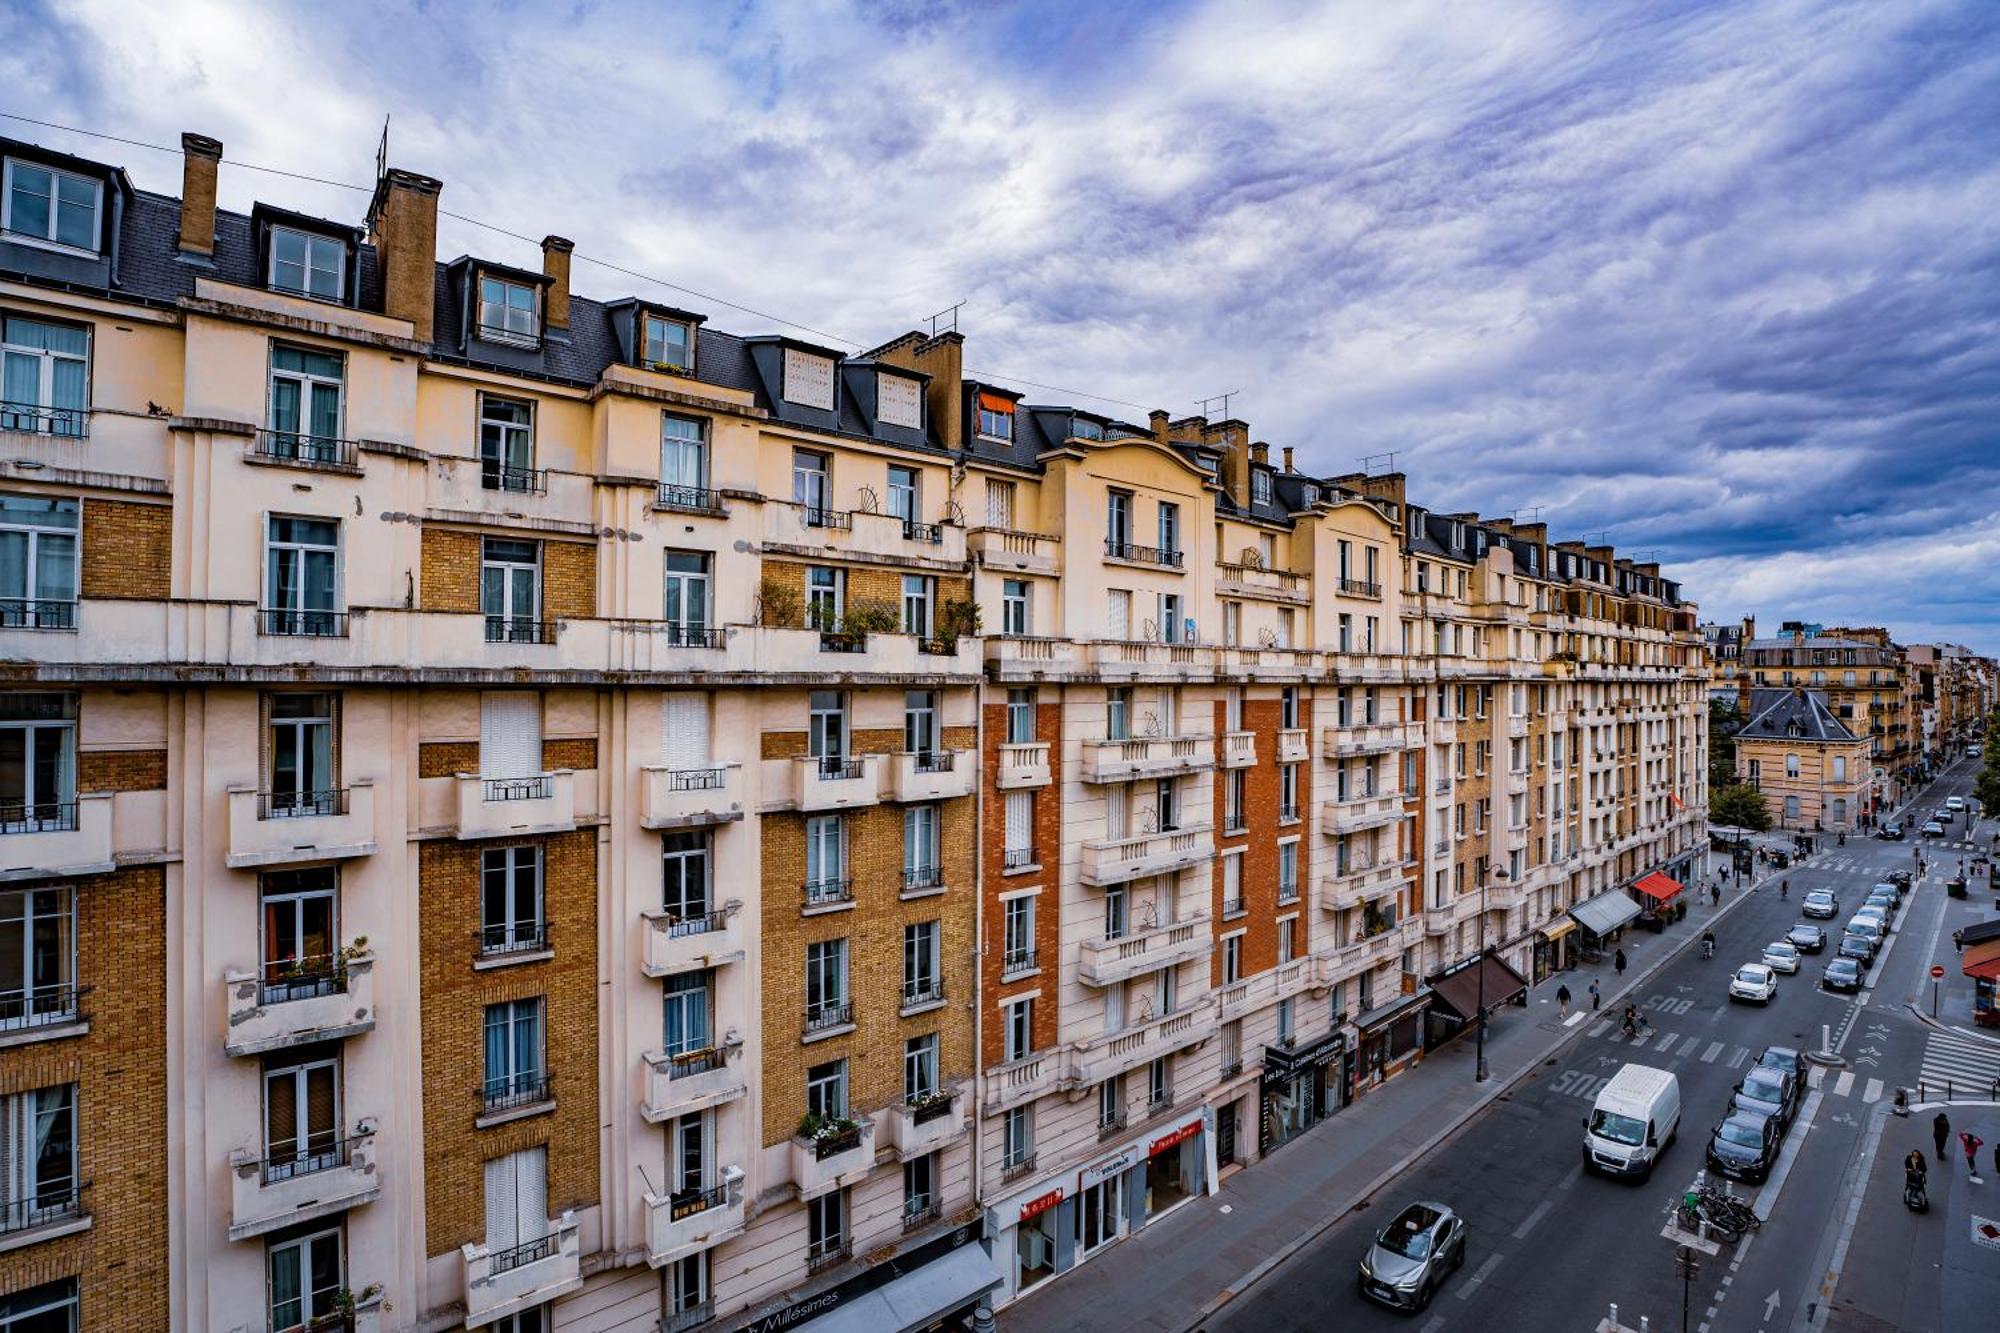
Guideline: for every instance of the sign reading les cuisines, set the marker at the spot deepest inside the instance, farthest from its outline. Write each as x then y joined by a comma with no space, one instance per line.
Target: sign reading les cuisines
798,1312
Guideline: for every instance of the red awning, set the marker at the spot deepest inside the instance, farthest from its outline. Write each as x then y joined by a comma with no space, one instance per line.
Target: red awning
1983,961
993,402
1659,887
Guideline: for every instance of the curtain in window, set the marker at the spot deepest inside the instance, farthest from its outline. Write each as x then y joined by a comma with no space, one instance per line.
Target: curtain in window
21,380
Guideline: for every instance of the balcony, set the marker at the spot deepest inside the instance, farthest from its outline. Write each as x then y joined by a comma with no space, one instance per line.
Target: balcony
1101,1057
1115,860
300,1185
1369,668
1119,660
1293,745
1026,1079
504,1282
1359,881
836,1157
1258,583
57,838
796,529
1015,658
690,797
1152,557
1267,988
512,807
307,1000
1014,552
1239,749
836,782
684,943
280,828
1345,742
681,1223
925,1125
1357,814
1147,757
931,775
689,1081
1106,962
1023,766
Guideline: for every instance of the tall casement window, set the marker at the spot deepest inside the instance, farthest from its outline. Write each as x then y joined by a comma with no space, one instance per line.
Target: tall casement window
58,208
923,866
305,407
1018,1029
667,343
508,311
920,1068
1019,849
515,1071
1111,1102
827,1241
826,730
1170,627
302,577
517,1206
920,1196
1288,872
684,464
37,957
999,504
1170,533
307,1274
37,561
685,1286
826,861
689,1162
301,923
44,376
919,601
920,722
51,1307
507,445
1118,523
510,901
307,265
300,756
688,600
826,598
1016,607
685,893
688,1012
812,487
905,500
1118,713
1017,1139
827,1003
1018,934
923,977
301,1114
510,590
1020,716
38,1171
826,1090
37,762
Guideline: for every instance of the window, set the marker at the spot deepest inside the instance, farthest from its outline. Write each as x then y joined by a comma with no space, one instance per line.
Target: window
667,343
1285,1022
906,497
1118,523
307,1277
48,1308
1840,768
826,985
1020,716
56,207
1234,785
1170,531
1018,934
37,762
37,561
44,376
517,1207
1232,623
1232,883
1288,707
1116,911
301,934
507,445
826,860
919,596
826,1090
1020,830
1111,1103
1017,1138
920,1068
687,598
996,417
1166,805
1260,487
684,464
1118,613
306,392
38,1171
301,779
1170,626
1118,713
1288,872
686,1010
302,576
685,881
999,504
1160,1082
899,401
514,1072
826,596
307,264
507,311
1232,960
510,900
808,379
301,1117
920,1198
1288,930
1014,607
1019,1032
826,1230
685,1285
1288,791
510,590
1791,765
37,956
826,724
923,979
922,865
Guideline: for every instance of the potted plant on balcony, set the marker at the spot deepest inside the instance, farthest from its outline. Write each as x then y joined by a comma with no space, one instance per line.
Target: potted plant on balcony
829,1134
850,633
777,604
928,1106
956,619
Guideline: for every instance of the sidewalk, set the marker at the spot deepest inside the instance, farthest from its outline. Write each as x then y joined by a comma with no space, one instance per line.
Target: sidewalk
1167,1277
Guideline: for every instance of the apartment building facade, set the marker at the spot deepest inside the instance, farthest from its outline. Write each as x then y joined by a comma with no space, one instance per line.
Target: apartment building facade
1813,771
1866,682
528,812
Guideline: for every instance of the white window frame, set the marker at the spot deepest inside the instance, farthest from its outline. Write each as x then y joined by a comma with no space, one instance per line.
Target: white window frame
314,242
309,1304
504,332
49,242
647,322
1017,1029
42,416
26,609
1017,607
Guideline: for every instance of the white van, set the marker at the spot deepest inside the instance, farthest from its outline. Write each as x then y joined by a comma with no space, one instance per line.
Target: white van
1636,1116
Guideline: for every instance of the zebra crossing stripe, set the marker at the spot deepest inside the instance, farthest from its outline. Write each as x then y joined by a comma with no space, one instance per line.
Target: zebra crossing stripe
1600,1029
1736,1060
1872,1092
1843,1084
1714,1049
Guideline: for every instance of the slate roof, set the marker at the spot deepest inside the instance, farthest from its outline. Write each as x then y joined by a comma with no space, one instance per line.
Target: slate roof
1775,713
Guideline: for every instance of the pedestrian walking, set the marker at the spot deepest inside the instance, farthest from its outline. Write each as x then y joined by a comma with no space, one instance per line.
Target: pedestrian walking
1595,999
1941,1131
1618,962
1973,1143
1562,1001
1958,941
1715,896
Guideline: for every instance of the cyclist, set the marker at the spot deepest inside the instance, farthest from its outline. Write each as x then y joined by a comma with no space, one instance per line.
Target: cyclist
1708,944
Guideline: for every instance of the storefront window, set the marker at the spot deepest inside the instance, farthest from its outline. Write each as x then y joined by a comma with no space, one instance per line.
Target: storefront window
1035,1246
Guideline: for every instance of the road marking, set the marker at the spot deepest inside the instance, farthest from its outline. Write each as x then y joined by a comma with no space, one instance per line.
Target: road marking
1574,1019
1714,1049
1960,1062
1436,1323
1871,1092
1665,1043
1845,1083
1600,1029
1767,1198
1480,1274
1528,1223
1736,1060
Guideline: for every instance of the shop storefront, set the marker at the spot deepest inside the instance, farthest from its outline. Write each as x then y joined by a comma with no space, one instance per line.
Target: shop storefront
1301,1086
1602,919
1390,1039
935,1286
1981,965
1457,993
1661,901
1055,1224
1555,950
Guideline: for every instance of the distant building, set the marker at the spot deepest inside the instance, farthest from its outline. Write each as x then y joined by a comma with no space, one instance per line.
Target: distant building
1813,770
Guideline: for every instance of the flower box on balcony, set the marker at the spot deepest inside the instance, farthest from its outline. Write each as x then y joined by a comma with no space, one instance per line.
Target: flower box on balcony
827,1155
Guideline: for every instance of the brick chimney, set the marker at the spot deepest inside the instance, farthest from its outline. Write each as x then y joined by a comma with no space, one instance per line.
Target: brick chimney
1158,420
1288,458
201,156
942,357
1233,438
555,264
402,223
1260,452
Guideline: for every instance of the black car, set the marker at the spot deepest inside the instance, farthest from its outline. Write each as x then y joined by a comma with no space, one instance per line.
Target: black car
1890,832
1806,938
1744,1146
1901,879
1785,1058
1770,1092
1846,971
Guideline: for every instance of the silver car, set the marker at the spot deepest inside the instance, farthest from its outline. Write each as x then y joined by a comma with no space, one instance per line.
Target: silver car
1412,1255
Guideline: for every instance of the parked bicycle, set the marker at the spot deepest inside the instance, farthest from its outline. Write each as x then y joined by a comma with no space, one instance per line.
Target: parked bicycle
1722,1216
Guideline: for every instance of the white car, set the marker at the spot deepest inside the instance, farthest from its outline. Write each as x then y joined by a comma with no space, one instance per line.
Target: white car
1954,803
1933,829
1754,982
1781,957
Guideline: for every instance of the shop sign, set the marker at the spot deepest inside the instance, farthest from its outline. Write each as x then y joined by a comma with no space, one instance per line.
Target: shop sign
879,1275
1114,1165
1175,1139
1036,1207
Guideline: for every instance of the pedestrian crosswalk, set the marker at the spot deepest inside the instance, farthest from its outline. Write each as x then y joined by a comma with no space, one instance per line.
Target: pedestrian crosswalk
1961,1064
1958,1058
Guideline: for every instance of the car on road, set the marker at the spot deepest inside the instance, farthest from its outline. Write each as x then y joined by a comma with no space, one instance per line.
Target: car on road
1933,829
1866,928
1972,752
1744,1146
1412,1255
1785,1058
1890,833
1954,803
1842,974
1780,956
1899,887
1806,938
1856,949
1770,1092
1821,905
1876,913
1754,982
1902,879
1886,898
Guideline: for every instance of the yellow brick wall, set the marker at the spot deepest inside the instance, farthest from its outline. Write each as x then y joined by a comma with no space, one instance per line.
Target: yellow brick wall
121,770
120,1069
453,1007
128,549
449,580
569,580
443,759
576,752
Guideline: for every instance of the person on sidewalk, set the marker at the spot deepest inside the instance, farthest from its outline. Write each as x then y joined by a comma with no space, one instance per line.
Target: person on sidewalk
1958,940
1618,962
1596,999
1562,1001
1973,1143
1940,1132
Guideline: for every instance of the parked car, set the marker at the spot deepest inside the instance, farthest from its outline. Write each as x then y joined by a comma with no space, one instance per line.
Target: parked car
1806,938
1842,974
1780,956
1890,832
1885,898
1866,928
1754,982
1412,1255
1744,1146
1821,904
1876,913
1893,885
1933,829
1902,879
1785,1058
1768,1092
1856,949
1954,803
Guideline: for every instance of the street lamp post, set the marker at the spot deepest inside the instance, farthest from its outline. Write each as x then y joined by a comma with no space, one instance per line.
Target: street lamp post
1479,1040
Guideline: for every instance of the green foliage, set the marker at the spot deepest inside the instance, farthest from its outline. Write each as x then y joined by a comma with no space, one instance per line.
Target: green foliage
1723,723
1738,805
958,619
778,604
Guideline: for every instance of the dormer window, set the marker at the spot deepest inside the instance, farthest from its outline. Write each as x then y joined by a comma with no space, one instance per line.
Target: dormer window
507,311
1260,487
307,264
50,206
808,379
996,418
1309,496
899,401
669,344
1083,428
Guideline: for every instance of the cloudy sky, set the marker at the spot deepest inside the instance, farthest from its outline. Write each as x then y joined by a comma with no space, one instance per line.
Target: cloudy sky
1721,281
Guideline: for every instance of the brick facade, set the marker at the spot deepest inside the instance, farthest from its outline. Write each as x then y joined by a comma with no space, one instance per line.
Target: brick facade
444,759
569,580
128,550
121,770
448,579
577,752
995,881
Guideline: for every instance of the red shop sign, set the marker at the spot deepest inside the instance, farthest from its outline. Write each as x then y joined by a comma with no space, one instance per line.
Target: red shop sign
1036,1207
1175,1139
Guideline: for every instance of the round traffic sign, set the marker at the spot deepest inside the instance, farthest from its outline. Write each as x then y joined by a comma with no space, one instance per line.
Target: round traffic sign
1937,971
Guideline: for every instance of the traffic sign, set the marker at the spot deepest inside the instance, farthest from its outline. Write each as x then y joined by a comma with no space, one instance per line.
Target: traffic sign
1937,971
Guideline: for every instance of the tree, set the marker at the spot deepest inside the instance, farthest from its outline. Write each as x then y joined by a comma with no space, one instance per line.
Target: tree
1986,787
1739,805
1723,724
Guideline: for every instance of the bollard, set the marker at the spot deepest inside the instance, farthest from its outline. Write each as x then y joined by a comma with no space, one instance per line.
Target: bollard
982,1320
1642,1324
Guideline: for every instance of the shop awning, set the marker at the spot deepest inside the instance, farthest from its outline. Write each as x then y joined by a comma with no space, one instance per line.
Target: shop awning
1983,961
1460,991
1384,1014
917,1299
1604,913
1555,930
1659,887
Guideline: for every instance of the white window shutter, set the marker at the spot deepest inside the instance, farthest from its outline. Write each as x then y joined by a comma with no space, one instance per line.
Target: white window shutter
999,504
502,1225
532,1207
684,731
510,734
1117,811
1118,614
1020,805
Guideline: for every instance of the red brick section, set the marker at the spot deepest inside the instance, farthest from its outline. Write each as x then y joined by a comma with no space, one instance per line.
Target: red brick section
992,862
121,770
1419,822
1259,842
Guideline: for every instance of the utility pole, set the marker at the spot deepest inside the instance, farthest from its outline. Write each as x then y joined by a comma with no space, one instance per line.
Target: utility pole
1687,1266
1479,1069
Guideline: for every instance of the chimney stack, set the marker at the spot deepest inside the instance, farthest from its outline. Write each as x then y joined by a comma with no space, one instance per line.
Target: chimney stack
402,222
555,264
1260,452
1288,458
1158,420
942,357
200,158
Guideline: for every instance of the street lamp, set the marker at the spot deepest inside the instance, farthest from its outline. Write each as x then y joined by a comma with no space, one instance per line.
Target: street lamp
1479,1072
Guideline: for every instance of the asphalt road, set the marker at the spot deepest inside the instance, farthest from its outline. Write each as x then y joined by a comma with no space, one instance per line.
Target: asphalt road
1551,1248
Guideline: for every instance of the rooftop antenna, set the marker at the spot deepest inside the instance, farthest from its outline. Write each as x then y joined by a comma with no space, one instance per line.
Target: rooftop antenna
382,153
1601,537
946,320
1205,403
1533,512
1374,465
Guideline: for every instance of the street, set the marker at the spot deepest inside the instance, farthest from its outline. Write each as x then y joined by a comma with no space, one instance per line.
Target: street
1551,1248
